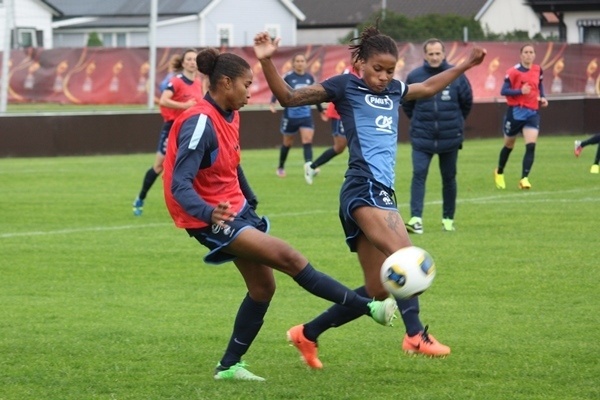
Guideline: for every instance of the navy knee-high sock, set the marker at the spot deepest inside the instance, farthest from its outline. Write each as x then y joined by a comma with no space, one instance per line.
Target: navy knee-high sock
308,154
333,317
528,159
593,140
327,288
283,153
409,311
249,320
503,159
324,158
149,180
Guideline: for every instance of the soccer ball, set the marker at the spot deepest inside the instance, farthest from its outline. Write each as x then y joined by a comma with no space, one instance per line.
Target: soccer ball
408,272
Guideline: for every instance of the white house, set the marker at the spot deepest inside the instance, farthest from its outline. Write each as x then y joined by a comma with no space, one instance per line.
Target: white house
571,21
181,23
31,23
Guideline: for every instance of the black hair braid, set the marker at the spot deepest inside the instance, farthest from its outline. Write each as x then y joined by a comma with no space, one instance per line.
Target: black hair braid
371,42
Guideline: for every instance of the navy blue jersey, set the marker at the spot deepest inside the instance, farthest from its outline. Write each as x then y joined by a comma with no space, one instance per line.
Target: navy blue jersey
371,125
297,81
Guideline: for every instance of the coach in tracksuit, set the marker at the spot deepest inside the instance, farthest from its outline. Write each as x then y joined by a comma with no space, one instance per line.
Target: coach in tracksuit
436,127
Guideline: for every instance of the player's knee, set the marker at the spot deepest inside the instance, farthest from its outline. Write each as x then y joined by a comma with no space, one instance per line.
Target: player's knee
291,261
264,292
530,147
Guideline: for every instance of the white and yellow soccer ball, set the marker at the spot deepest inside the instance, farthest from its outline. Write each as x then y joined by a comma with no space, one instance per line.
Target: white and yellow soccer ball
408,272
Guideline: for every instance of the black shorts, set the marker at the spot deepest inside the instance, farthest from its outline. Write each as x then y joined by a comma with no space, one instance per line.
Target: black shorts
360,191
164,135
337,127
517,118
290,126
216,237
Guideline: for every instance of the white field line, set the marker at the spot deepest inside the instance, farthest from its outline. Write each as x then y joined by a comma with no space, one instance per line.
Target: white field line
527,197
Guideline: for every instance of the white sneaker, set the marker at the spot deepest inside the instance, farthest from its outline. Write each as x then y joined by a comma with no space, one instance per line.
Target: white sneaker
309,173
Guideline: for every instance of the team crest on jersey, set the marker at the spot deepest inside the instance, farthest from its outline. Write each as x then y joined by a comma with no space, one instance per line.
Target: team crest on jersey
380,102
385,197
227,230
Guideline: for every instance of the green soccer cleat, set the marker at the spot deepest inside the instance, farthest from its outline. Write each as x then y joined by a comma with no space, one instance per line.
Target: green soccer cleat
237,372
414,225
384,312
524,184
499,180
595,169
448,225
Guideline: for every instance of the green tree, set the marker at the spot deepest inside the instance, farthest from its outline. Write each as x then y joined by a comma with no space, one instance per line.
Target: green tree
444,27
403,29
94,40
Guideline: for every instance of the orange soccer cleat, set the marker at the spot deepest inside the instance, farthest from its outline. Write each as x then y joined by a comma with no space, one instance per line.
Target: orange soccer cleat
424,343
308,349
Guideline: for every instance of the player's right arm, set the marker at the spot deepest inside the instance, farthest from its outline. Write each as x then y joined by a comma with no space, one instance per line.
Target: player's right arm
193,153
264,48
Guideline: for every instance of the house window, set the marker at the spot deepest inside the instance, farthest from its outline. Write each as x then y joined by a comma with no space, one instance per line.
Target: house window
589,30
111,39
274,30
26,37
225,35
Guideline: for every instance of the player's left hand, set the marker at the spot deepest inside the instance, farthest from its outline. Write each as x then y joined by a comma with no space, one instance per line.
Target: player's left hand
264,46
476,57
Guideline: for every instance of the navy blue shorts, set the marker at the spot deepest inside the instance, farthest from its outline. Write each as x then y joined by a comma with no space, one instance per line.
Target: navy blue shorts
164,135
517,118
216,237
289,126
337,127
359,191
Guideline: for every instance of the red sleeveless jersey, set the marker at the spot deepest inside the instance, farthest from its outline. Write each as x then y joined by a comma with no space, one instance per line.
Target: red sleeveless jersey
182,92
518,79
217,183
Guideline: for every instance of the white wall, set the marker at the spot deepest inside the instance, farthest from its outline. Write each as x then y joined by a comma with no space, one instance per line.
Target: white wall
570,20
505,16
322,36
183,34
249,18
29,14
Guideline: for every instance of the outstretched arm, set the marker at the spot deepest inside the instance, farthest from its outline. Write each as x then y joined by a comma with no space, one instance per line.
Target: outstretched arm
264,48
437,82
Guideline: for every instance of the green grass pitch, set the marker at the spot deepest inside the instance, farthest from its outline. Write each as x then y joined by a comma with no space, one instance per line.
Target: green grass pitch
98,304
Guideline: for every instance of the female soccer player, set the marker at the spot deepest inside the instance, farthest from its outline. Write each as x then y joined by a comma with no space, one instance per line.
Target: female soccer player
524,95
207,194
182,91
368,211
297,119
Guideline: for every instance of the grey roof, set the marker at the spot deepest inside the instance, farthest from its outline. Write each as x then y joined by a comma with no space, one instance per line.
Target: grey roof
352,12
116,22
77,8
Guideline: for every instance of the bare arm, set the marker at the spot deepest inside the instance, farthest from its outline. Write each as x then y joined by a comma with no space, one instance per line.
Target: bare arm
264,48
437,82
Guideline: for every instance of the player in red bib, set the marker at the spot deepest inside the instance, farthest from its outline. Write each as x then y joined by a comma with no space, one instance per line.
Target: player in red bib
183,90
524,95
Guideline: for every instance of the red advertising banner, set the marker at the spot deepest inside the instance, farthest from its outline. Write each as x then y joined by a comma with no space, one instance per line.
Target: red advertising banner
120,75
